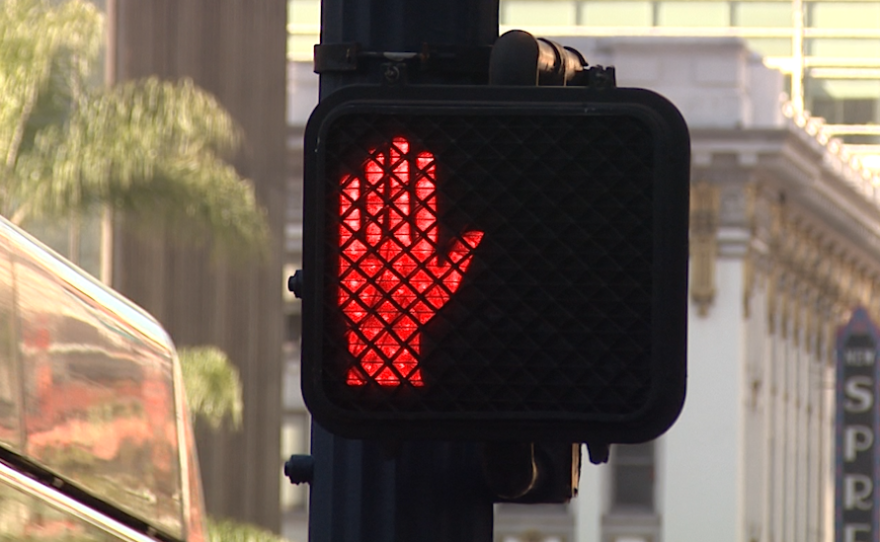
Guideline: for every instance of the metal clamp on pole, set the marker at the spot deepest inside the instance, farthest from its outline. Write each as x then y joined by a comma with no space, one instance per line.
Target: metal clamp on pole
519,58
437,59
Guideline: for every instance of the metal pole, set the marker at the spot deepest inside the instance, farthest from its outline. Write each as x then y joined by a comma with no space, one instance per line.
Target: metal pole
365,491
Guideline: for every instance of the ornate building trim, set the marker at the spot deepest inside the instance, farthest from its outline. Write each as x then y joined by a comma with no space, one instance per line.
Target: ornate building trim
813,276
800,218
705,210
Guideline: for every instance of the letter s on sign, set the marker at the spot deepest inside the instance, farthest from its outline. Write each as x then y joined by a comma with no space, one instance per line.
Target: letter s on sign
859,393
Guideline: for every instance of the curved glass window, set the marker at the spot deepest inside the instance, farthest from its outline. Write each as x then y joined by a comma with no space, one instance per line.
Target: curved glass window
95,387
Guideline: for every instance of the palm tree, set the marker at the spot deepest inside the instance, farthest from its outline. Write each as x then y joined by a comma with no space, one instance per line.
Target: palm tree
223,530
151,149
213,387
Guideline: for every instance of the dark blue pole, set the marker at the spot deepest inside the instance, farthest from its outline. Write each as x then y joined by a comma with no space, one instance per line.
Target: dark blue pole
365,491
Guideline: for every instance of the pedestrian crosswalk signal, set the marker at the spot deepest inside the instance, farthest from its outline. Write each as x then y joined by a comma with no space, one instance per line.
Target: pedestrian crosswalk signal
495,263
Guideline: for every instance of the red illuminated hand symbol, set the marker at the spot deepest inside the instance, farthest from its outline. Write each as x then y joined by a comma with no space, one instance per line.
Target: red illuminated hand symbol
393,275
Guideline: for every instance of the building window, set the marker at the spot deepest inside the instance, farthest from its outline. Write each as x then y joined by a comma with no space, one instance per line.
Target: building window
537,12
835,51
616,14
533,535
836,14
632,483
762,14
770,46
693,13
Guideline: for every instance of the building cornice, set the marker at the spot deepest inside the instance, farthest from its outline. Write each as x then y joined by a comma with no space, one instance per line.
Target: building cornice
802,216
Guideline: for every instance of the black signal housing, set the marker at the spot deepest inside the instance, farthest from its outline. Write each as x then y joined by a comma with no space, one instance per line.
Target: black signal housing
549,228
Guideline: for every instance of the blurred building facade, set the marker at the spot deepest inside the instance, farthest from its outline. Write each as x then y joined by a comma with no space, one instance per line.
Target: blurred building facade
828,50
785,240
236,51
778,213
302,96
784,243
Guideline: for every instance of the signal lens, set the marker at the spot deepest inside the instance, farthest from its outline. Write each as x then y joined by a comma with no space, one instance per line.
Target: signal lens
394,276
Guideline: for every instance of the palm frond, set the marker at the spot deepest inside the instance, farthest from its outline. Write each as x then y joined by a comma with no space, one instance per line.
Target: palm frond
225,530
154,150
46,52
213,386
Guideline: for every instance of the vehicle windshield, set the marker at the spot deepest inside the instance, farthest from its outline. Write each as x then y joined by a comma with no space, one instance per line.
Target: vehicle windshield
92,389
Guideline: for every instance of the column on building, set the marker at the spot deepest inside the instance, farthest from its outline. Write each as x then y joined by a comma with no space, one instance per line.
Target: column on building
783,245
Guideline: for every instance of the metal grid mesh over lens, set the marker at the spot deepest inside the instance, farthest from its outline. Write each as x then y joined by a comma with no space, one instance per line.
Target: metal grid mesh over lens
553,313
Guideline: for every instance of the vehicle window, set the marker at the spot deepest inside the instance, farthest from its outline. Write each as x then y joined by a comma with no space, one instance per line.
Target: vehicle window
27,518
10,379
195,501
98,395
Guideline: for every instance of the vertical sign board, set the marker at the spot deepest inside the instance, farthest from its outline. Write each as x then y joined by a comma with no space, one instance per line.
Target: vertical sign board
857,426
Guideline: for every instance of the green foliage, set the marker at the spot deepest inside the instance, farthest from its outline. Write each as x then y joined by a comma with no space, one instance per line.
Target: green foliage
224,530
155,150
213,387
